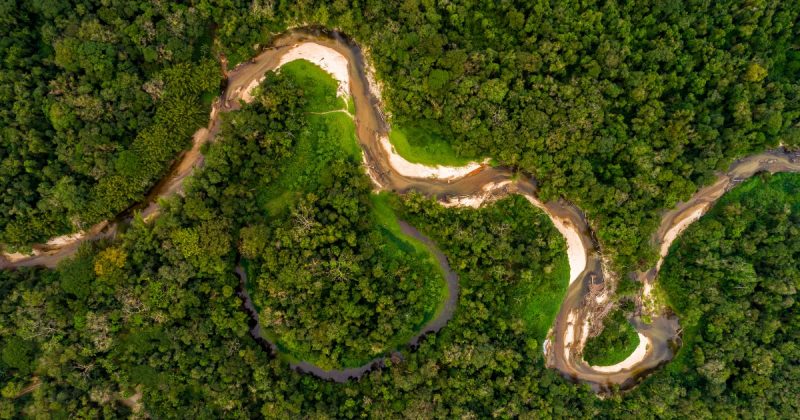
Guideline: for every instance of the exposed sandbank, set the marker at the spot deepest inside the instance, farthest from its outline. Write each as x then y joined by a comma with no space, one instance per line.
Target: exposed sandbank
634,359
418,170
576,253
326,58
676,230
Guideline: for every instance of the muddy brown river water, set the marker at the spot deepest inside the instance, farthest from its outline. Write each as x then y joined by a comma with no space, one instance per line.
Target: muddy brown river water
583,306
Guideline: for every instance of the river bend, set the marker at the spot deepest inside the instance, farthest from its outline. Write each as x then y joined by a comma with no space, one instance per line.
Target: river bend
588,297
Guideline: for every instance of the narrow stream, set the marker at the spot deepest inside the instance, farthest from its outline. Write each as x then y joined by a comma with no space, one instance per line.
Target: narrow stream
342,375
582,307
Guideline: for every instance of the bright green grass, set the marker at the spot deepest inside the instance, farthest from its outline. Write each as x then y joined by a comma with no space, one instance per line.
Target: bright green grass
539,292
318,85
780,186
539,301
541,282
328,137
421,144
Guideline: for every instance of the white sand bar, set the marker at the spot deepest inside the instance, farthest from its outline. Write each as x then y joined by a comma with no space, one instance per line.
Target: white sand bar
336,64
475,201
418,170
467,201
18,256
57,242
247,95
326,58
635,358
66,239
576,253
676,230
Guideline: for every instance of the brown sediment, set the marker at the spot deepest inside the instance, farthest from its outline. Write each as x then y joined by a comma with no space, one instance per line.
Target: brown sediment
582,309
663,331
134,402
476,170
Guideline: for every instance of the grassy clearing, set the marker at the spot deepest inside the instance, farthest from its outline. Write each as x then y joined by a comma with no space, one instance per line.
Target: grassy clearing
325,138
617,341
418,143
509,249
422,144
537,296
541,298
319,86
328,138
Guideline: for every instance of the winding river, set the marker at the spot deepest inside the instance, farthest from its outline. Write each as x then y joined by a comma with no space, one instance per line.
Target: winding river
591,286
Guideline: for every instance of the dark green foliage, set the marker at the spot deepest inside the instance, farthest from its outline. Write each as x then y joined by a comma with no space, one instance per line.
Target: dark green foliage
624,108
77,274
96,100
732,277
509,249
172,326
18,355
334,285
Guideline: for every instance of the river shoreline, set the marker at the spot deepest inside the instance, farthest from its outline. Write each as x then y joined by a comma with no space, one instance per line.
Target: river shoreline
586,300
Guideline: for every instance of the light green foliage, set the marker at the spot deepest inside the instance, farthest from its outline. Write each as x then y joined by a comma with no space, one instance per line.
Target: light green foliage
420,143
336,282
755,73
253,240
511,250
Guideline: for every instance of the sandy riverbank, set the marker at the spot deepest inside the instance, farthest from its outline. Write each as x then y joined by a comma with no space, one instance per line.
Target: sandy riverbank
576,253
631,361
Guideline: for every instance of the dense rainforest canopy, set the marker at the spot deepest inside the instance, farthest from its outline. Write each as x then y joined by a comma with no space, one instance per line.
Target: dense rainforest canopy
623,108
96,100
733,278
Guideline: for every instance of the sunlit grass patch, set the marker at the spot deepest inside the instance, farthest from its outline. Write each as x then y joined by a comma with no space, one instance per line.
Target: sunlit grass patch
422,144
